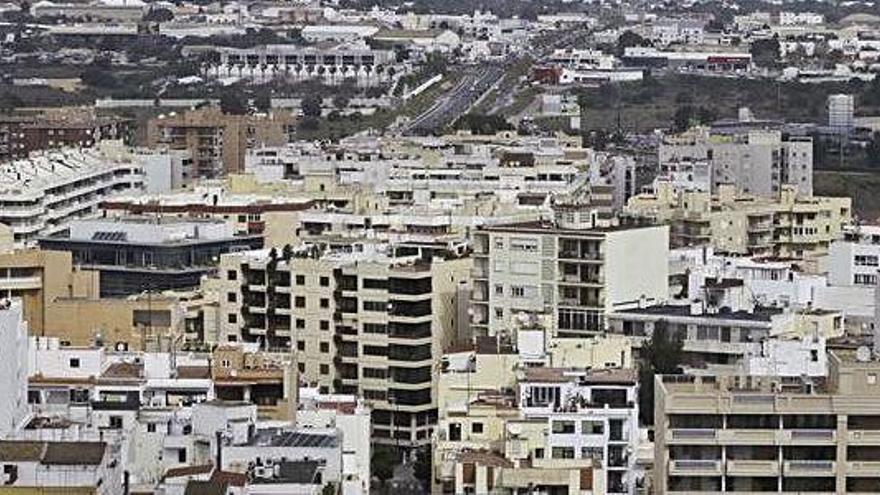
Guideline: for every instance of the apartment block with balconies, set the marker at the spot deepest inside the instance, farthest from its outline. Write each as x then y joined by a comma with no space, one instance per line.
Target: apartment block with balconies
363,321
577,275
788,225
781,434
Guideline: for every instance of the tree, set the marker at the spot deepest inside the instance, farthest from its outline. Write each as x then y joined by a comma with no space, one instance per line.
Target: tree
98,77
340,101
661,355
159,15
872,151
263,102
629,39
383,462
423,468
311,106
765,53
232,102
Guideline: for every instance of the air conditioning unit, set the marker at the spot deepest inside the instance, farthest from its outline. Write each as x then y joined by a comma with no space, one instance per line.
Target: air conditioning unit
264,472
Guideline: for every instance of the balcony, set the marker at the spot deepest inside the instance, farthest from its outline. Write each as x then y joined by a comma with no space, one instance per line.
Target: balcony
692,436
695,467
809,437
748,437
20,283
863,468
809,468
864,437
749,467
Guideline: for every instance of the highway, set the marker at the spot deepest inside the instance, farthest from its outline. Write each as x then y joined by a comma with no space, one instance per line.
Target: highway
475,83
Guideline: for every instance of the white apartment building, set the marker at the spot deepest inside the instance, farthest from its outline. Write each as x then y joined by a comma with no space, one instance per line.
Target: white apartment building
756,162
841,108
577,272
40,195
330,65
855,259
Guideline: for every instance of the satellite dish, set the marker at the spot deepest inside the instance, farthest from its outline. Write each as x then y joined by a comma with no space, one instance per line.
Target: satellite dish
863,354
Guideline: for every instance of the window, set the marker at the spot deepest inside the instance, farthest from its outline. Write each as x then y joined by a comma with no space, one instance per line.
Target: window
592,427
375,350
539,453
866,260
562,453
864,279
563,427
300,280
74,362
324,325
375,328
523,245
374,394
375,283
116,422
325,347
300,323
378,373
499,290
499,243
231,297
324,369
517,291
324,281
301,367
477,428
325,303
181,455
232,318
151,427
300,345
231,275
299,302
379,306
499,312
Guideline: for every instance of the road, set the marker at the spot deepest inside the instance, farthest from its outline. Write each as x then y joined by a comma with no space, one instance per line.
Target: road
476,82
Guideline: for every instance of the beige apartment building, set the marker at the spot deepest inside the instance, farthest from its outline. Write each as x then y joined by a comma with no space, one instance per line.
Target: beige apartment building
790,225
217,142
39,278
758,434
360,321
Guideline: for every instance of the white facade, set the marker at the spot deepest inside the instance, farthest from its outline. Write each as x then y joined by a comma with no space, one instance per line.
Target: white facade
799,357
841,109
42,194
13,367
756,162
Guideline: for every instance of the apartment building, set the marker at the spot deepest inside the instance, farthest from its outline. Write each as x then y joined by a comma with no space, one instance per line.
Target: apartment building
786,435
757,162
365,321
42,194
553,430
38,278
789,225
854,259
21,135
573,268
250,214
331,65
138,254
218,142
